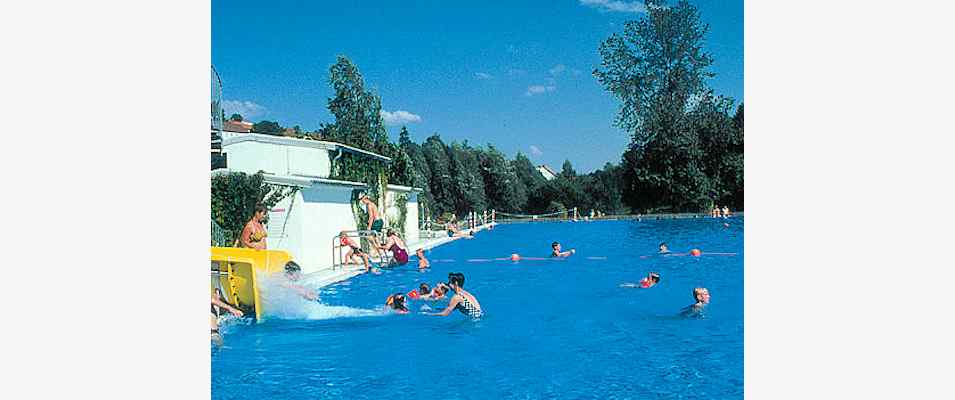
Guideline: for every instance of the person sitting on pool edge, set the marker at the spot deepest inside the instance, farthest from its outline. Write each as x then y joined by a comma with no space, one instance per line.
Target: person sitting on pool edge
663,248
647,282
422,261
397,248
454,231
557,253
293,273
397,303
353,250
462,300
702,297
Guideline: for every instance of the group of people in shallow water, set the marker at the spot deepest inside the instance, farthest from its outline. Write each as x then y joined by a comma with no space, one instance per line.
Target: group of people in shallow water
462,300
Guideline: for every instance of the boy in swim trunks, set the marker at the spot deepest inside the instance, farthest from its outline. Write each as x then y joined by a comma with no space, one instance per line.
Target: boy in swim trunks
375,223
353,250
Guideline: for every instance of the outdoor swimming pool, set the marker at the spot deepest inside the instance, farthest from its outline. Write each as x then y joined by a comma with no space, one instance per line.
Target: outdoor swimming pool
557,329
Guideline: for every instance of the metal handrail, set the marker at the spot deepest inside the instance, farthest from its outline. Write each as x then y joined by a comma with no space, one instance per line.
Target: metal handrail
336,245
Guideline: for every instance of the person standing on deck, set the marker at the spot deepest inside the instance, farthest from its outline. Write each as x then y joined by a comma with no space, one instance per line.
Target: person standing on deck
253,235
375,223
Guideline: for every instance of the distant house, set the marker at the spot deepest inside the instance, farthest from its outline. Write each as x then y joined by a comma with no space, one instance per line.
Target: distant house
546,172
237,126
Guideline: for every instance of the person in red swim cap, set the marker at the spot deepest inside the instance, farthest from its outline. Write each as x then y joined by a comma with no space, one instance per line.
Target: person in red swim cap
647,282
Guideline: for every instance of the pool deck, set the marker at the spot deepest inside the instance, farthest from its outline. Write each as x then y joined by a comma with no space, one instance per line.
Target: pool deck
330,276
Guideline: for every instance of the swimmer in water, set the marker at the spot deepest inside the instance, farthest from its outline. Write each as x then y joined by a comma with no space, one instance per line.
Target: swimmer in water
463,301
726,212
663,248
437,293
397,303
702,297
422,261
648,282
293,273
555,247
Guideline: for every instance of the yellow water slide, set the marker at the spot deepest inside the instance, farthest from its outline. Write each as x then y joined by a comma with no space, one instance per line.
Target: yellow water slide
234,274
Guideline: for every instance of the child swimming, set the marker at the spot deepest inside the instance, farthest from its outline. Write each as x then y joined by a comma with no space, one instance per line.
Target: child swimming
422,261
647,282
555,247
397,303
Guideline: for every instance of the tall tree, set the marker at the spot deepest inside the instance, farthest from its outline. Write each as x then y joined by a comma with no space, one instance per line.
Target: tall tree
468,187
502,188
356,121
435,155
567,170
655,67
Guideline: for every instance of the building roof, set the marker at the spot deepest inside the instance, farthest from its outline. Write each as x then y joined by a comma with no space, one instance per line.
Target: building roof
294,180
287,141
543,167
237,126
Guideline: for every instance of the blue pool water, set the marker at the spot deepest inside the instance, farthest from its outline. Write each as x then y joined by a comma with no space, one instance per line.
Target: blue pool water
554,329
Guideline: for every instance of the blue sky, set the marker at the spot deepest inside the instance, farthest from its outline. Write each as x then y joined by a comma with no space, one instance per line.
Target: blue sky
517,75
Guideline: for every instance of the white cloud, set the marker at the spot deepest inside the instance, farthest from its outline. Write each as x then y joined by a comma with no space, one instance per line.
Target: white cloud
558,69
539,89
615,5
399,117
246,109
483,75
536,151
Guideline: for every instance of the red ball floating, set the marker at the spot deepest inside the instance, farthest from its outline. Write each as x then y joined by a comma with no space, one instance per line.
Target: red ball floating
515,257
695,252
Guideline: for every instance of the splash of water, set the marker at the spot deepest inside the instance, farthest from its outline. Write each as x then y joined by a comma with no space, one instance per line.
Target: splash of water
281,301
